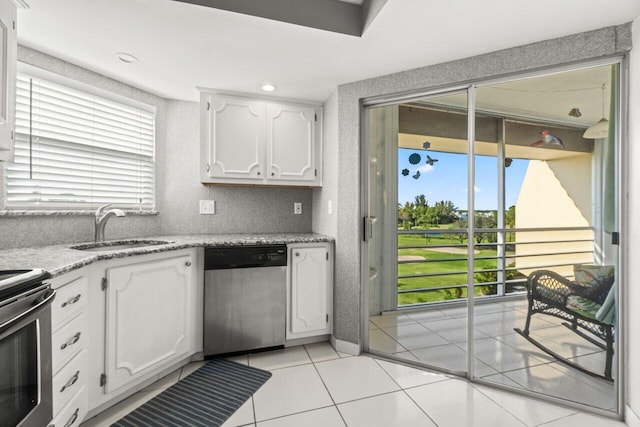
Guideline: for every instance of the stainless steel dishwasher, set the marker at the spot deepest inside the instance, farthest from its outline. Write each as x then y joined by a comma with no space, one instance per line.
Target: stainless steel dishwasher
244,298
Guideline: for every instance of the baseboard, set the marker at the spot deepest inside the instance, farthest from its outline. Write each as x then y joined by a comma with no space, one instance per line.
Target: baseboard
345,346
630,417
307,340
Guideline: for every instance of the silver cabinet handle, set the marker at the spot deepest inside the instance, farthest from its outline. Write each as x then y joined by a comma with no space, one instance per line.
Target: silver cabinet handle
258,173
71,301
188,263
207,167
297,253
71,382
73,418
72,341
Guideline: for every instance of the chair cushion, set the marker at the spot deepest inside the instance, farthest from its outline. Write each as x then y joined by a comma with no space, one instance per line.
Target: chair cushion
589,275
583,306
596,279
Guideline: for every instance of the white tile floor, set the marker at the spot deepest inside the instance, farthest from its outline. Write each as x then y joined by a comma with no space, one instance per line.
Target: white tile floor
438,337
313,386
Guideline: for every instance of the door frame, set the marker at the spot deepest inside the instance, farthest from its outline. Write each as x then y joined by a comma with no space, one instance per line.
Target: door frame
622,219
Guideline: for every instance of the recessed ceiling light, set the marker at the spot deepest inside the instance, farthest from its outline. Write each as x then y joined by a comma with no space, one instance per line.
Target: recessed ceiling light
126,57
268,87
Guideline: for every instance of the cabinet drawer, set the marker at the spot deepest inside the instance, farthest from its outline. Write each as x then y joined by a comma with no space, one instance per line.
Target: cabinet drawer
72,414
68,341
70,300
71,378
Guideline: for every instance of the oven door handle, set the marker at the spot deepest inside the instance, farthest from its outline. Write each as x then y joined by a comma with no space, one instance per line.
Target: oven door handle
43,300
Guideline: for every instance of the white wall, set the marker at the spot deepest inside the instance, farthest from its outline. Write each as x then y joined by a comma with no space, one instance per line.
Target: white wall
631,238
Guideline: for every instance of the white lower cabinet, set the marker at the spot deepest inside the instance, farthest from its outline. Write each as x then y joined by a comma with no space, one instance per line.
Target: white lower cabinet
70,348
309,290
148,317
144,321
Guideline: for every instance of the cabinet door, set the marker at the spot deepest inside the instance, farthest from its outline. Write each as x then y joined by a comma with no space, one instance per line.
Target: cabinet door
309,292
291,140
8,52
234,136
147,317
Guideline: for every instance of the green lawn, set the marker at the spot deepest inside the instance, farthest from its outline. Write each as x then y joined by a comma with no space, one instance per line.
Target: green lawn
448,262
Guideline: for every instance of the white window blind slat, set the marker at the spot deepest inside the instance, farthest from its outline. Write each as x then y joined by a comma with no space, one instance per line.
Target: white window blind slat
77,150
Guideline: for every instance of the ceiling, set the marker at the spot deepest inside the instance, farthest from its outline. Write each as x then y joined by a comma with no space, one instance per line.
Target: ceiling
181,46
547,98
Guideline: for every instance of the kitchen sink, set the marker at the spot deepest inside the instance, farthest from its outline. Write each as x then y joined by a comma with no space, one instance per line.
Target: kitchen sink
116,245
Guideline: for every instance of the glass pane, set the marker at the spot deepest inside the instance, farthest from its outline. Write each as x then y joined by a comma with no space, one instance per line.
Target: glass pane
19,375
418,310
553,195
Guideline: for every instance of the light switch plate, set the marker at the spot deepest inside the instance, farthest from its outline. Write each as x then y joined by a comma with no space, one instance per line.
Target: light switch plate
207,207
297,208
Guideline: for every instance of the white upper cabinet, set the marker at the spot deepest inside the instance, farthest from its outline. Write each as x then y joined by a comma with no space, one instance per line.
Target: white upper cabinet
291,143
259,142
234,129
8,54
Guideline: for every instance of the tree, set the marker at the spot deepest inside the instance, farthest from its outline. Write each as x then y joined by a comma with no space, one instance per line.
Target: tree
406,214
510,217
485,220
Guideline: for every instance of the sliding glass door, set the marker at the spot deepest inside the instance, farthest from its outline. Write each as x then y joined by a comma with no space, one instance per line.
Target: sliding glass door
462,215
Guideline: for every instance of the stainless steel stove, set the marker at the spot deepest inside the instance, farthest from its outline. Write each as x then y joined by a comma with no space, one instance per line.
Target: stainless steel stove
25,348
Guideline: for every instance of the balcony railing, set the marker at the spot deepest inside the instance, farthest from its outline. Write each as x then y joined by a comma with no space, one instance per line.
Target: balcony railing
433,263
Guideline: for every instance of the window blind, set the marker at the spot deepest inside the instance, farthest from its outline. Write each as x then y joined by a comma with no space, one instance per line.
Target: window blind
77,150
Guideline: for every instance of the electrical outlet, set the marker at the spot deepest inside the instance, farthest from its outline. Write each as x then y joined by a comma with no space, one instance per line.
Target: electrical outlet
207,207
297,208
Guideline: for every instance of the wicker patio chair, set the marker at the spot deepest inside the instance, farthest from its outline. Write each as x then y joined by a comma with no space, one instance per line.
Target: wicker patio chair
589,311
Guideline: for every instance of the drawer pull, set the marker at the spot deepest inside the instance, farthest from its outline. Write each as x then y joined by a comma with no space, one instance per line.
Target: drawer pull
73,418
71,301
188,263
71,382
72,341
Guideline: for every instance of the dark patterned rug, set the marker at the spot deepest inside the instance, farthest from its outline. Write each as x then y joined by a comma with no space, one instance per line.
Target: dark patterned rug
206,398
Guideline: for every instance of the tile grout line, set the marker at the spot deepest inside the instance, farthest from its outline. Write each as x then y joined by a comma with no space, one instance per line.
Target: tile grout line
335,405
405,392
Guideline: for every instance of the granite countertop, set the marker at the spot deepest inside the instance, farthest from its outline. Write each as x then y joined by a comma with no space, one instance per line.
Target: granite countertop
60,259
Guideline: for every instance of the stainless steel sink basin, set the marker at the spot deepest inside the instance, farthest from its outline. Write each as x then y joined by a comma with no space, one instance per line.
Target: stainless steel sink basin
116,245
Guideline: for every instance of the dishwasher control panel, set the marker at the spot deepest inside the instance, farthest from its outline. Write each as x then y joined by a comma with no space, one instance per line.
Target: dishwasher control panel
228,257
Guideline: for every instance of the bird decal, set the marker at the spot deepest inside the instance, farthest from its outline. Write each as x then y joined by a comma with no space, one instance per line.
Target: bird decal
548,139
431,161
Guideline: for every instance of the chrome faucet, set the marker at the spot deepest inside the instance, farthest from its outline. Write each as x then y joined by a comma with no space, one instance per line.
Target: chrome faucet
101,220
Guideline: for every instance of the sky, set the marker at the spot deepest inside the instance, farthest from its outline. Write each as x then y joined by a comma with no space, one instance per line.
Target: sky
447,179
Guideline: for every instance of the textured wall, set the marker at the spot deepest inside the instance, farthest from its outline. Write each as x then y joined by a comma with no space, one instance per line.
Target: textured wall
238,209
564,50
178,190
323,222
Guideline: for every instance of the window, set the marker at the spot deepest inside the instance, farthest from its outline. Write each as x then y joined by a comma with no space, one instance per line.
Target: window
76,150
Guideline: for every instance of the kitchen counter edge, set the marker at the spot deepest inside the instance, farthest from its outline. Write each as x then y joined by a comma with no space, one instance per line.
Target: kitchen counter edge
61,259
